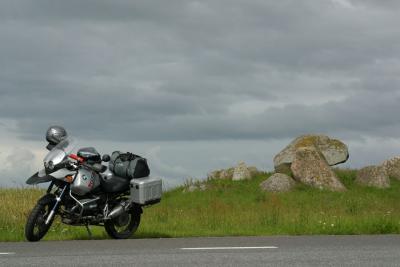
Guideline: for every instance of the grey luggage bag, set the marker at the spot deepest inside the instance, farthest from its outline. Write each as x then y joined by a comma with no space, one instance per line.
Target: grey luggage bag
128,165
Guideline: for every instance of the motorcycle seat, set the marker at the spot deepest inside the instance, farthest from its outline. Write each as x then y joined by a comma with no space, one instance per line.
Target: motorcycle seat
114,185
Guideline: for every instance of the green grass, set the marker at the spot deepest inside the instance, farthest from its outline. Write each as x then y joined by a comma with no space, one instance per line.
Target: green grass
237,208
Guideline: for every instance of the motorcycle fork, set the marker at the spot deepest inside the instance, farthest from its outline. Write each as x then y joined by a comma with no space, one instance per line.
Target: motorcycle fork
53,210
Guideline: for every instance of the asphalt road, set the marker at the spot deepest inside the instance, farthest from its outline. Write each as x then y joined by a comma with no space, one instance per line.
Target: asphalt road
226,251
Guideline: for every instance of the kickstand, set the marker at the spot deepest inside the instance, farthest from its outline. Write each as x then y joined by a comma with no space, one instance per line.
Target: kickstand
89,232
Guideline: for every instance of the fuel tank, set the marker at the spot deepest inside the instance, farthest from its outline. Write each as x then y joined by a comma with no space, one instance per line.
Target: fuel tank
85,181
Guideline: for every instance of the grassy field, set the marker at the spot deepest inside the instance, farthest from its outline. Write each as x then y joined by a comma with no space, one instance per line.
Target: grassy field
236,208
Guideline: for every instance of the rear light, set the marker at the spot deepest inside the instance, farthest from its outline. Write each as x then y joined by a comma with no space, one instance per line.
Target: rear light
77,158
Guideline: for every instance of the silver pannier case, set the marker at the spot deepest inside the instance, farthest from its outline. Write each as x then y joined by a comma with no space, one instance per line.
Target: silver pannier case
146,191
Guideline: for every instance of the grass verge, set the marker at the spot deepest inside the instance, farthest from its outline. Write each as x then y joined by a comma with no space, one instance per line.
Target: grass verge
236,208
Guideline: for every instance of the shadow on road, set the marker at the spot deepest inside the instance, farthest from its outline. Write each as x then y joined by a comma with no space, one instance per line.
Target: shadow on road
150,235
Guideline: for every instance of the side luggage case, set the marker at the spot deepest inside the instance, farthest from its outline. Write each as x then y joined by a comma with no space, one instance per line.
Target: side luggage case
146,191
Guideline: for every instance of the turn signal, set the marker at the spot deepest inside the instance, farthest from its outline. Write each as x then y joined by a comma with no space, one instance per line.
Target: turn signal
69,179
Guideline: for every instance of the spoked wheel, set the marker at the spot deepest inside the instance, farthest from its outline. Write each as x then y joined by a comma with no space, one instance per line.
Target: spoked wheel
123,226
35,227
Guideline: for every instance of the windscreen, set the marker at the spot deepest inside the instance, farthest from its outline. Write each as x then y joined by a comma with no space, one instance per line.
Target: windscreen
60,151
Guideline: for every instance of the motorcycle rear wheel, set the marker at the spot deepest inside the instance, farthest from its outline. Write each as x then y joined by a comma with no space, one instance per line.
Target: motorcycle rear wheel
123,226
35,228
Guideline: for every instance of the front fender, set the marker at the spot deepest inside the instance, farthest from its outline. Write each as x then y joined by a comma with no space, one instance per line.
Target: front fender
47,199
36,179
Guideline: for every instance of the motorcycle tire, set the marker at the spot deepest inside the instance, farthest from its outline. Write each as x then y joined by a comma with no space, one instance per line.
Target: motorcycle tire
35,228
123,226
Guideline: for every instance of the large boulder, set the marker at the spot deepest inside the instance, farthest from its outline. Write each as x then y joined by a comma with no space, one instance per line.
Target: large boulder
278,182
333,150
392,167
241,172
310,167
374,176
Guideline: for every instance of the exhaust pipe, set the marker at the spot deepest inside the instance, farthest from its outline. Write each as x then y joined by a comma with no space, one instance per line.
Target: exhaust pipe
118,210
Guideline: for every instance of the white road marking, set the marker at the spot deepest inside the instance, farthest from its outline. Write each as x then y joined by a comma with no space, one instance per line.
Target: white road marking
228,248
7,253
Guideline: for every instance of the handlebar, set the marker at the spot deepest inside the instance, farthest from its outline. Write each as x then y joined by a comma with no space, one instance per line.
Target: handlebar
94,167
76,157
63,164
68,164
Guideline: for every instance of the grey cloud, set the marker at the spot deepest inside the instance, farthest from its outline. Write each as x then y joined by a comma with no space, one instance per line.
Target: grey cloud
372,114
150,71
17,164
199,85
380,4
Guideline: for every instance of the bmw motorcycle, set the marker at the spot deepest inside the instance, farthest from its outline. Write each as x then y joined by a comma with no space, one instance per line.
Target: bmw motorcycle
83,192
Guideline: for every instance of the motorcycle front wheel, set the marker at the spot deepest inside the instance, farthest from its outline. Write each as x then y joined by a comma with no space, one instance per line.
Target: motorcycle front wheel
123,226
36,228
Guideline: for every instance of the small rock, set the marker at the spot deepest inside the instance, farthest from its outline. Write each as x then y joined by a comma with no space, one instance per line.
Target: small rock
374,176
221,174
392,167
278,182
190,188
214,175
194,187
310,168
202,187
226,174
253,171
241,172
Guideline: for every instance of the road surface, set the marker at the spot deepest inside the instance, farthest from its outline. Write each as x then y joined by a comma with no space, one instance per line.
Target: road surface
376,250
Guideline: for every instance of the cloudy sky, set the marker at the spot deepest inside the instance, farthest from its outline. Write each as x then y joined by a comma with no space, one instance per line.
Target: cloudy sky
198,85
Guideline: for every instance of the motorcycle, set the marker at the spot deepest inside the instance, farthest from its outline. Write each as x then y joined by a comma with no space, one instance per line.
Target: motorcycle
83,192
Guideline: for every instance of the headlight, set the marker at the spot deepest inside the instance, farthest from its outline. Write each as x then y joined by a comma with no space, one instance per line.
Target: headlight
50,165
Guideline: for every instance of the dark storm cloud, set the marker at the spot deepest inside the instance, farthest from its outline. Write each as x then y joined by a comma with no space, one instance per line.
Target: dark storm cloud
206,70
